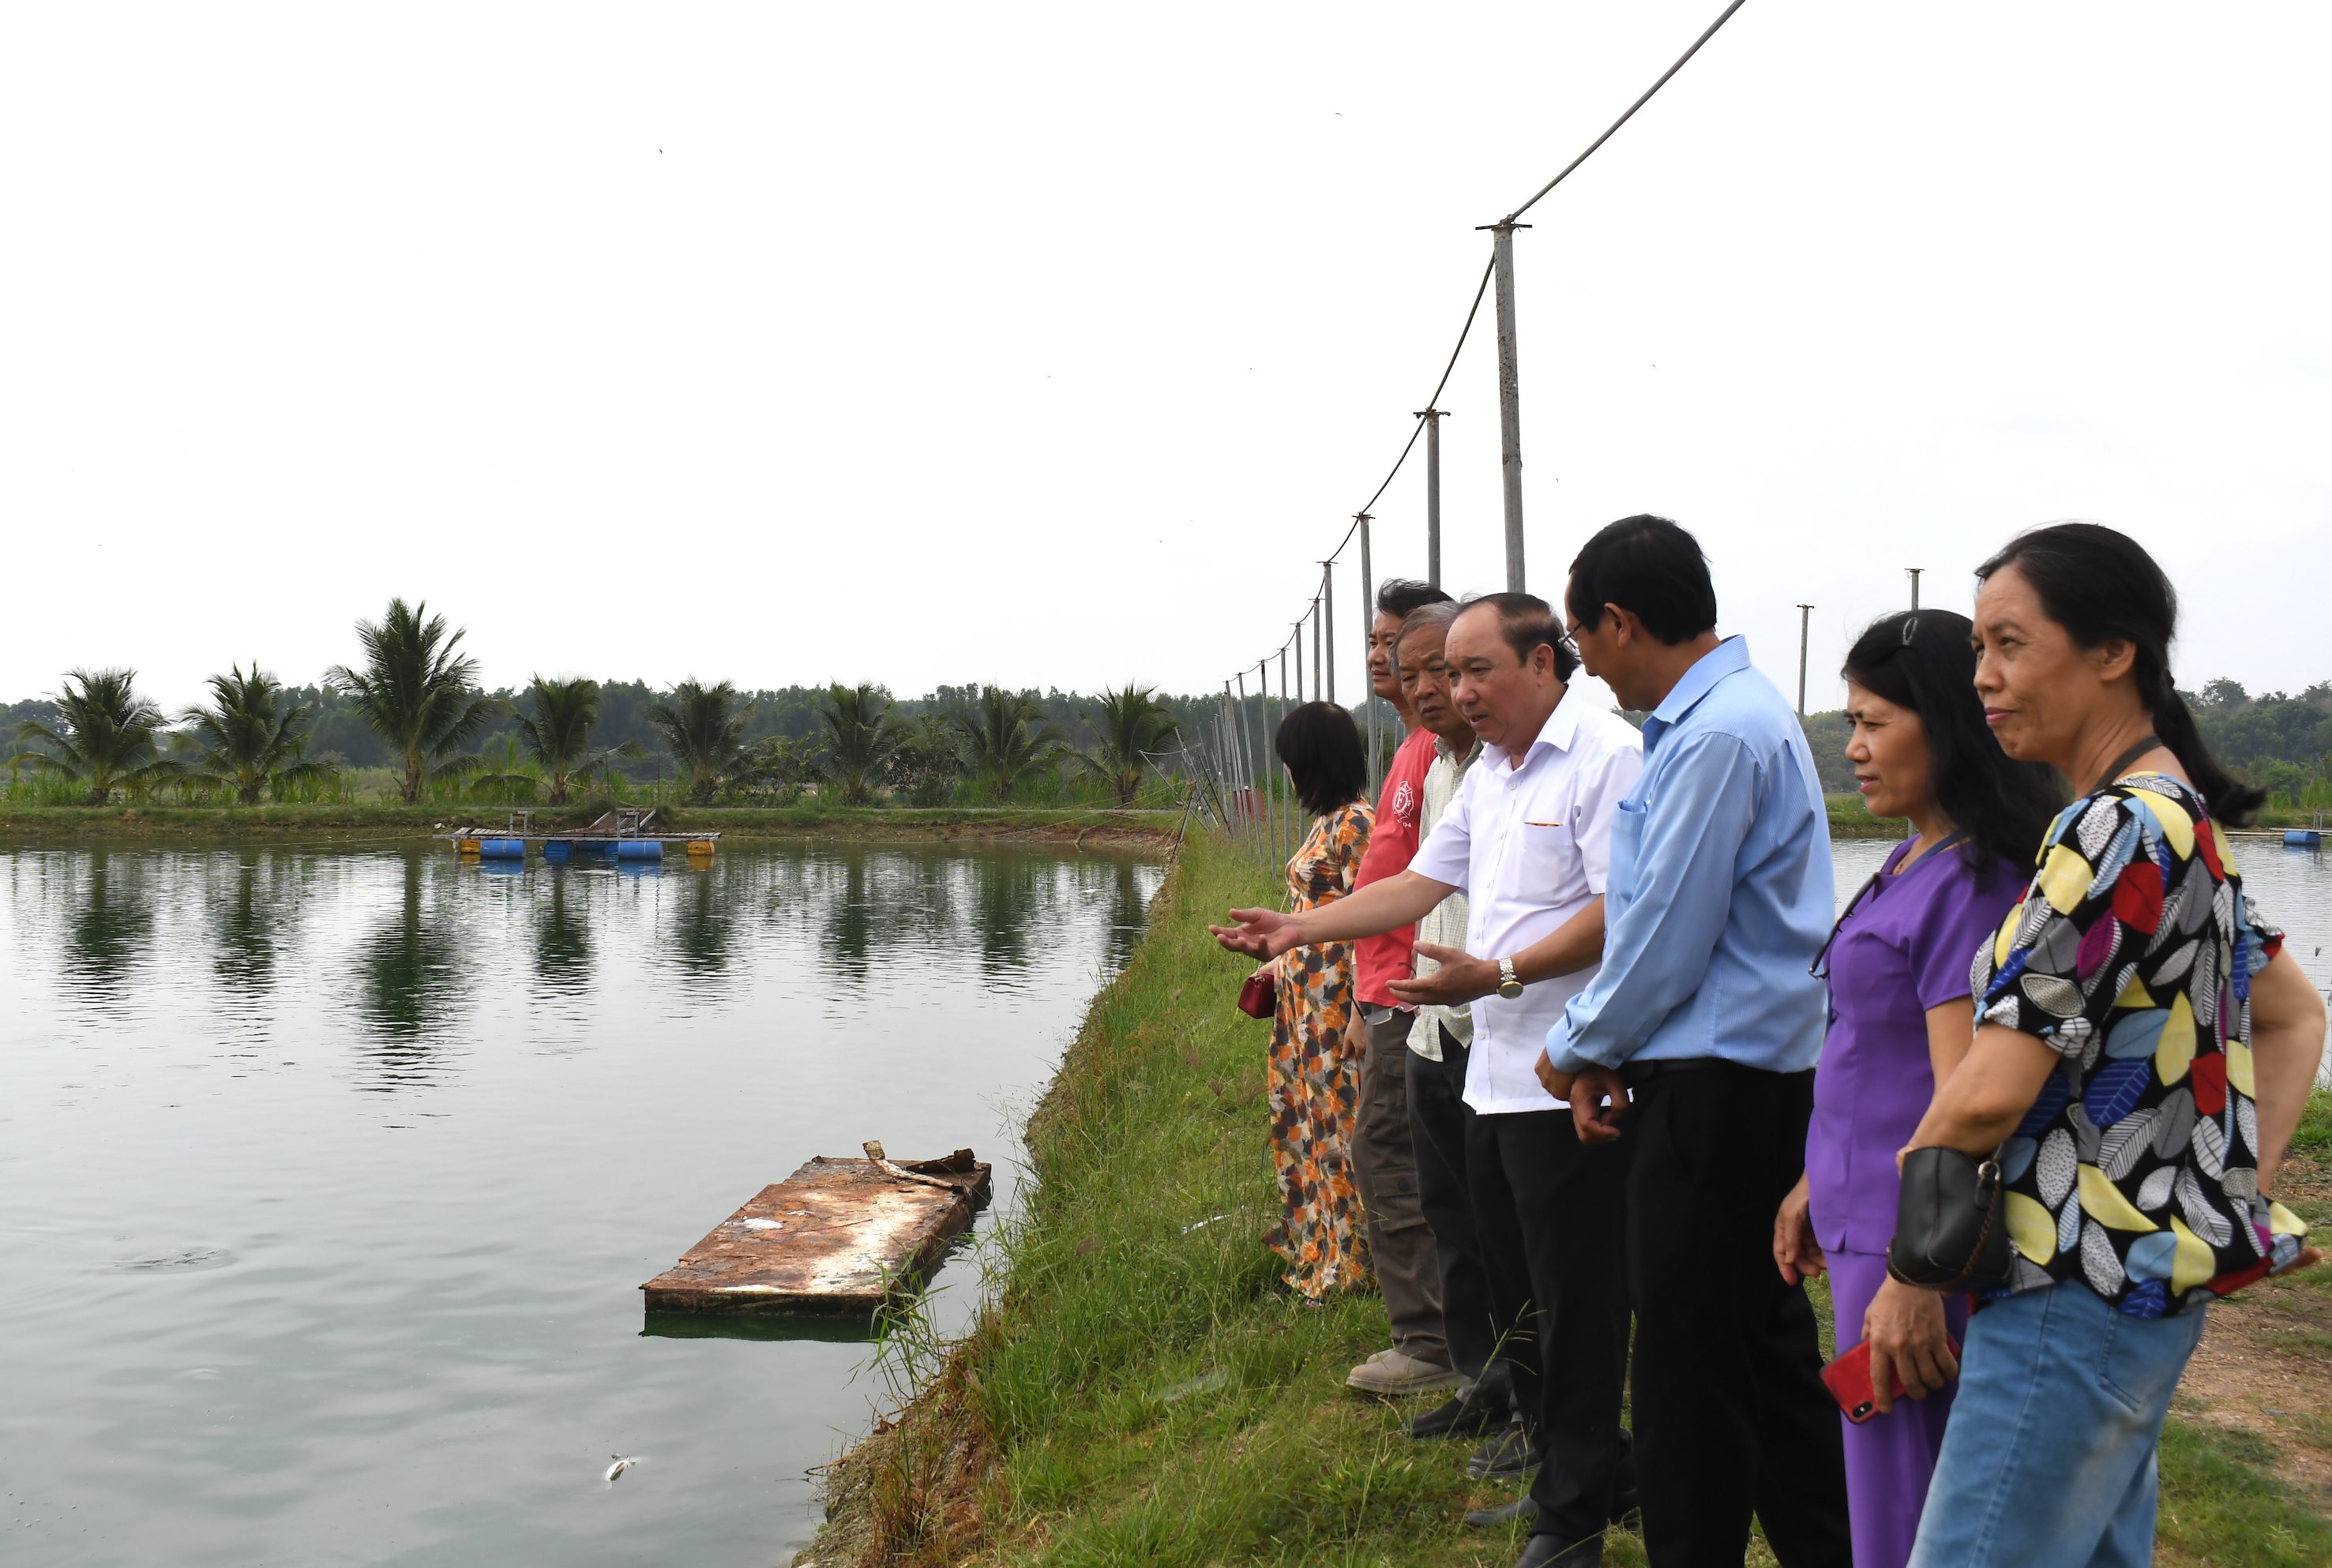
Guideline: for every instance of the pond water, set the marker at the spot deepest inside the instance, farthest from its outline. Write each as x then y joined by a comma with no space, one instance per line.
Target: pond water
2292,887
327,1178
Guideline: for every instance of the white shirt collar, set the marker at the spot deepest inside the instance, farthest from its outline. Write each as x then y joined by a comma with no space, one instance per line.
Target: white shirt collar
1561,729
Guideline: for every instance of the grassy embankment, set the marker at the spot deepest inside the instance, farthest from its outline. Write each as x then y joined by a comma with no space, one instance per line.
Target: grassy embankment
376,820
1141,1391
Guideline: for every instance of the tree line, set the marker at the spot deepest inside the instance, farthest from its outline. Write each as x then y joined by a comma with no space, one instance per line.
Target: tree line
411,705
2278,741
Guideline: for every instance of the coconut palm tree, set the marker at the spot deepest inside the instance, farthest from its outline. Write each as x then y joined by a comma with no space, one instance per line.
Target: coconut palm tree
1131,722
252,735
1006,737
103,737
510,778
557,733
860,737
704,726
416,694
927,759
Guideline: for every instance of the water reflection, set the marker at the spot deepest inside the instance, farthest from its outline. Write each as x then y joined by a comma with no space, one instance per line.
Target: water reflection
252,903
111,922
562,932
704,922
849,923
1129,908
1005,893
408,975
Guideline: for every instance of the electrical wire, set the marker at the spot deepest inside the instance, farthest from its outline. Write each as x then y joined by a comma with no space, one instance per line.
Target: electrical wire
1623,119
1483,288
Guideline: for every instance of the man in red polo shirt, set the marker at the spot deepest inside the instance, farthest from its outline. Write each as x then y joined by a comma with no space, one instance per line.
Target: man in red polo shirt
1384,1160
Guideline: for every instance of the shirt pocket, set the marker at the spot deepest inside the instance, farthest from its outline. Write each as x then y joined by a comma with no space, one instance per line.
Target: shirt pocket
1550,855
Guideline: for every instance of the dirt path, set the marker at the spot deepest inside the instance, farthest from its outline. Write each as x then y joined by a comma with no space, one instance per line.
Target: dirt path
2265,1363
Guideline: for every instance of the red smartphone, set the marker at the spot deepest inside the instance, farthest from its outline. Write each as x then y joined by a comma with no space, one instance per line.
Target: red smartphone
1849,1378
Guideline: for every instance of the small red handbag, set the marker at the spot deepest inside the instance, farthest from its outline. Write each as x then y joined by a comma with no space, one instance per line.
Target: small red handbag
1259,997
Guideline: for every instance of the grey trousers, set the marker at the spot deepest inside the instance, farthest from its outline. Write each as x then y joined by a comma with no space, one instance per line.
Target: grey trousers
1384,1163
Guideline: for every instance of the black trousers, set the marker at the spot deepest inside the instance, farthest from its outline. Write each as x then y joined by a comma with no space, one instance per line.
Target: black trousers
1438,1121
1551,1213
1731,1416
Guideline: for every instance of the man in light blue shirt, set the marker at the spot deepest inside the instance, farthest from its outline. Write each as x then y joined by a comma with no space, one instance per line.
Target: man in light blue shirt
1719,897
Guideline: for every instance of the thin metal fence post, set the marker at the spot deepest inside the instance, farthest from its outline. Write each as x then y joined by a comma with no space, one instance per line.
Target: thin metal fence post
1328,604
1805,617
1369,651
1317,660
1299,657
1248,783
1264,759
1913,571
1510,415
1278,782
1432,418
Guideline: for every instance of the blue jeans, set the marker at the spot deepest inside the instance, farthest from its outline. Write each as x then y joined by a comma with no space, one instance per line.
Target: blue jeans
2048,1459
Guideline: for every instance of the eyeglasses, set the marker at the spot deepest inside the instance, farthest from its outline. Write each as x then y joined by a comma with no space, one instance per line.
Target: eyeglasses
1819,967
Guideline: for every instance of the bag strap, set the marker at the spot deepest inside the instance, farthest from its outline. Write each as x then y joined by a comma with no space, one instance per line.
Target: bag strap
2113,768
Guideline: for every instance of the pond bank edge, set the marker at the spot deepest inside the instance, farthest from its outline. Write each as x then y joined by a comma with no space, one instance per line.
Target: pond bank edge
149,825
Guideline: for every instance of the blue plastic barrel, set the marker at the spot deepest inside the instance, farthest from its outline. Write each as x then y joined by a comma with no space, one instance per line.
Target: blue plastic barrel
640,849
557,849
503,849
2302,838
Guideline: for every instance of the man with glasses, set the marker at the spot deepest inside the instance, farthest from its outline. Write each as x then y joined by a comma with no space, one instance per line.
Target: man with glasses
1694,1045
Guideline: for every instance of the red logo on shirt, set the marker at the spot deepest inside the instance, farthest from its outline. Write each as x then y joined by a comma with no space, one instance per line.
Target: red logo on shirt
1404,803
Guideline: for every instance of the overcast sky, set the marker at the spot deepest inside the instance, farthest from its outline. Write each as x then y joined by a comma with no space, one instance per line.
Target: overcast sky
1055,344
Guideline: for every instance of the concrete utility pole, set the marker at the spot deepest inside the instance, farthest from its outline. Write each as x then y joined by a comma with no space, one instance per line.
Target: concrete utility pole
1368,647
1913,572
1805,617
1510,414
1433,418
1316,659
1328,624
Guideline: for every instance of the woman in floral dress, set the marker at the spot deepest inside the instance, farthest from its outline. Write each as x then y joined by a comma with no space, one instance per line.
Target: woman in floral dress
1314,1071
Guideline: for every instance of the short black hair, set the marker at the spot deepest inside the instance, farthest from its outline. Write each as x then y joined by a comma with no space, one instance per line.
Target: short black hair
1650,566
1526,621
1397,596
1322,748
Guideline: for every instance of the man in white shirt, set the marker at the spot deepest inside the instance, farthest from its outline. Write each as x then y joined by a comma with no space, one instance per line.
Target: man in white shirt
1528,839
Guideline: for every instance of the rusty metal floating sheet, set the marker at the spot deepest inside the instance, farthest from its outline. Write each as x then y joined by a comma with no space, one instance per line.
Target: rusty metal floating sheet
831,1237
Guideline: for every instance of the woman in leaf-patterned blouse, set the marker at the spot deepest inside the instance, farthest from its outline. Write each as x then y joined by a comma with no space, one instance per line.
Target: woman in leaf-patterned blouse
2143,1051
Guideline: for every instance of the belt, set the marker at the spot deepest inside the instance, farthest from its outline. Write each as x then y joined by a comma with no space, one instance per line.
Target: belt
1637,1074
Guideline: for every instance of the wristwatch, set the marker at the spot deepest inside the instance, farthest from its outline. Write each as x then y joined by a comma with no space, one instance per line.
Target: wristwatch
1509,987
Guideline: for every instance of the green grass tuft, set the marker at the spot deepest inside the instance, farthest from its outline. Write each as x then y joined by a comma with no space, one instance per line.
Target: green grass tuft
2222,1503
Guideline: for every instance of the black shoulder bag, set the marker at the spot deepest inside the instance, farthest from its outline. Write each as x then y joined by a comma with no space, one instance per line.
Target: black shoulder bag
1950,1230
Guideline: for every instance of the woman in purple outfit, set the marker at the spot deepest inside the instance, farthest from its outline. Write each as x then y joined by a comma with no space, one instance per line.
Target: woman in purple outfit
1901,1018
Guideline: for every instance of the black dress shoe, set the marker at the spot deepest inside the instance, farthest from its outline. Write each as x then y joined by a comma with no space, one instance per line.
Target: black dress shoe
1521,1508
1553,1552
1477,1411
1510,1453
